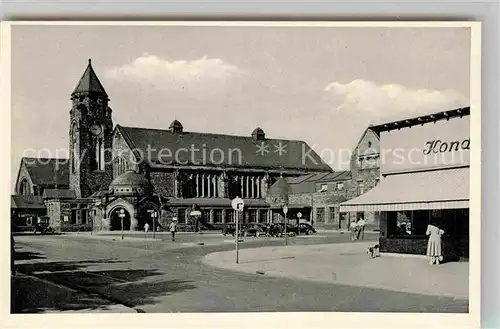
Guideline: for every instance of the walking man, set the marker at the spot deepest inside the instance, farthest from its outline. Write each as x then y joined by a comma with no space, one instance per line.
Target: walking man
361,228
146,228
354,230
173,227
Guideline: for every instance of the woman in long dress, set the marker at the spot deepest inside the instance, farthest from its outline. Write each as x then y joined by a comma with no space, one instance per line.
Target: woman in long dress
434,249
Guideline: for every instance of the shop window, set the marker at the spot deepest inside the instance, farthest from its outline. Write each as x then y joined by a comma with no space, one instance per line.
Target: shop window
181,215
320,215
331,214
246,217
217,215
84,217
253,216
205,215
407,223
73,216
262,216
230,216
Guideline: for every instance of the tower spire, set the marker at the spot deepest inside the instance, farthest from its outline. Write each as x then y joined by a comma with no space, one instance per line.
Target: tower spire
89,82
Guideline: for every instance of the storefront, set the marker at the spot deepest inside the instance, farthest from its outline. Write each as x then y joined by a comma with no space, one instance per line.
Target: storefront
424,178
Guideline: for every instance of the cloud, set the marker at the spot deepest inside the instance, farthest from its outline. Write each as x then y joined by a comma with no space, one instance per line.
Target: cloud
392,101
152,71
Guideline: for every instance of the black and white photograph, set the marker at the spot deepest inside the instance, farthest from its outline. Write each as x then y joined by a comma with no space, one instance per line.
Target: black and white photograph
252,167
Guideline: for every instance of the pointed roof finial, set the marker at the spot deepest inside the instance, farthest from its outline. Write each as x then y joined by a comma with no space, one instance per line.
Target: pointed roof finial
90,61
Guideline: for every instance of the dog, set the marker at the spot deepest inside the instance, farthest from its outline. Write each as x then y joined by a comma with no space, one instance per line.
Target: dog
373,251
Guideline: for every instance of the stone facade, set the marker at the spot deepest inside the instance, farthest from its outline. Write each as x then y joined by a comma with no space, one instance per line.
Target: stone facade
164,182
123,158
70,215
87,177
365,171
24,185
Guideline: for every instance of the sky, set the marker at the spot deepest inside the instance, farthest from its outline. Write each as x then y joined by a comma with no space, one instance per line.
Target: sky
323,85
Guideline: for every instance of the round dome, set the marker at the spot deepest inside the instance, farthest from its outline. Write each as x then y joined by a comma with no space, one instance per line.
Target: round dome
176,127
258,133
131,183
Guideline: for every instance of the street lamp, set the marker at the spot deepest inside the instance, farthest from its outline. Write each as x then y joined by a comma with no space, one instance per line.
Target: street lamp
299,216
238,205
121,215
285,211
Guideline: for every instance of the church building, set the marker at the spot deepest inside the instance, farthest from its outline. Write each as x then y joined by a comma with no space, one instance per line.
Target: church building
118,174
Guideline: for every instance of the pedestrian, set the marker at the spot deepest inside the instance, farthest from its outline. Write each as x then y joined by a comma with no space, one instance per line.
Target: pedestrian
361,228
434,249
354,230
173,228
146,228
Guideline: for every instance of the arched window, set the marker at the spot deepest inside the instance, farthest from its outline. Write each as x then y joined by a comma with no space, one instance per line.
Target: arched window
24,188
116,162
73,160
120,166
99,153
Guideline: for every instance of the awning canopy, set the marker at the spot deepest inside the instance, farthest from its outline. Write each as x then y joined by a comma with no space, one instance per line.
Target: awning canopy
436,189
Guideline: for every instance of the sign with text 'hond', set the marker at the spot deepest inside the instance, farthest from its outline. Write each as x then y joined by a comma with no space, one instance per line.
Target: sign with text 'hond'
444,143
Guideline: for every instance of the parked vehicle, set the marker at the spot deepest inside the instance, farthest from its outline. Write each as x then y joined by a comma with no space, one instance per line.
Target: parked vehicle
256,229
42,226
302,229
230,229
275,230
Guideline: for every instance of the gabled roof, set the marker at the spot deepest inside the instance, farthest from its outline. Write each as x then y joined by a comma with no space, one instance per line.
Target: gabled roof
47,171
280,188
307,183
26,202
336,176
89,82
230,150
58,194
369,128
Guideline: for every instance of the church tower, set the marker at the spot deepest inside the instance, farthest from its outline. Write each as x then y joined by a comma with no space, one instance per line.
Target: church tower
90,136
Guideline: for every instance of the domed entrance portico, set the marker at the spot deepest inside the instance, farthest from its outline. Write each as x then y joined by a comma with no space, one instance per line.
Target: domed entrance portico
118,215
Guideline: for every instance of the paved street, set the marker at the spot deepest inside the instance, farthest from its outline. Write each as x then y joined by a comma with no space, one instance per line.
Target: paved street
161,276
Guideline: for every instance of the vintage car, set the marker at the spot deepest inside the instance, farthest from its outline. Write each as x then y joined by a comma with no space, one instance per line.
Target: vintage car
42,226
301,229
230,229
255,229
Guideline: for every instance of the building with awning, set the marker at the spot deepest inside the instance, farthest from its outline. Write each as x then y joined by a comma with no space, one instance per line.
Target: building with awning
424,176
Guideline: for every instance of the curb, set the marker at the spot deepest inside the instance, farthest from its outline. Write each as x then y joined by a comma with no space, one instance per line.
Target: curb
390,254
